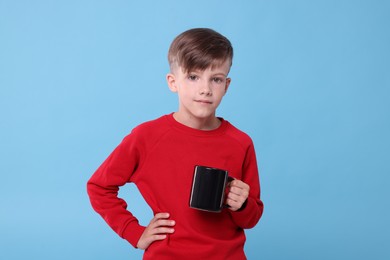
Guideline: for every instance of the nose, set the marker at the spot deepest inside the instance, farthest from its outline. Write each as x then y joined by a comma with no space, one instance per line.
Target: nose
205,89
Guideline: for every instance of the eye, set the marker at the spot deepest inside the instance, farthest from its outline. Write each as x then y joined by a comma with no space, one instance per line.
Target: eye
218,80
192,77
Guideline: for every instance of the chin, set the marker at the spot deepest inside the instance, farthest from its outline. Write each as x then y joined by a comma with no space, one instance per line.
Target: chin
204,115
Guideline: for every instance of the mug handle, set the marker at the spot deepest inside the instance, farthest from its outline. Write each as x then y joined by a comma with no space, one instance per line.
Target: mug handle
229,179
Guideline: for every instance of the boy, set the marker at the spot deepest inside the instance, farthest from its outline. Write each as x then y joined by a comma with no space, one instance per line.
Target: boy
159,156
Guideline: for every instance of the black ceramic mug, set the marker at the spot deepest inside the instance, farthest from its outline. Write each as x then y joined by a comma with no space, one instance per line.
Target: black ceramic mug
208,188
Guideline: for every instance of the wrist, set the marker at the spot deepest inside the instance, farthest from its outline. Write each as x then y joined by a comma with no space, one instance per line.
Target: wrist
243,206
133,233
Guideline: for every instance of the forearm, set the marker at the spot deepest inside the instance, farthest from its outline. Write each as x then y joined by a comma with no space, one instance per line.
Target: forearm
112,209
103,189
249,215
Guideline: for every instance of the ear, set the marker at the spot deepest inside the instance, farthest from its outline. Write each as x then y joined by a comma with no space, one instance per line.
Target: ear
227,84
171,80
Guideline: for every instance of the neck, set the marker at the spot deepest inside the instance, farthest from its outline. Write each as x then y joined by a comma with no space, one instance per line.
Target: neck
210,123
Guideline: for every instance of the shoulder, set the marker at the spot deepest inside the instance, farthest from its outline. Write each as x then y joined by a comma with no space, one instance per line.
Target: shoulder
238,135
150,130
152,126
146,135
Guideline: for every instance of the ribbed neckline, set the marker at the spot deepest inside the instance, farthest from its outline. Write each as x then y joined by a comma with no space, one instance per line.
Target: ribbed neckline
192,131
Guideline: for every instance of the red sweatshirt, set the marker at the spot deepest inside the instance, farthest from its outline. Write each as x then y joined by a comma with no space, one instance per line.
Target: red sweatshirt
159,157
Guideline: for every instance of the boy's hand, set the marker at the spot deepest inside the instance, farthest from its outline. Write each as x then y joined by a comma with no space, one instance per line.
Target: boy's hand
157,229
238,193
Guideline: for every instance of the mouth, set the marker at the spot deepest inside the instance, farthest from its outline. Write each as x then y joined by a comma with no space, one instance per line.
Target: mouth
201,101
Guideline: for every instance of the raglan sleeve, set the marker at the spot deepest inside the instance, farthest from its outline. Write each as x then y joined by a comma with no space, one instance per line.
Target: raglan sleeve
252,210
104,184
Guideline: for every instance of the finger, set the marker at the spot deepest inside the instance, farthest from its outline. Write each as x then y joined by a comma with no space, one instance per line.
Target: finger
234,205
235,197
164,222
240,189
156,238
162,230
238,199
239,184
239,192
160,227
161,223
147,238
160,216
150,239
236,190
157,229
153,234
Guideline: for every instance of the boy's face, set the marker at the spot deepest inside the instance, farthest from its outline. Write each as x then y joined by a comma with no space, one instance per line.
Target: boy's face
200,92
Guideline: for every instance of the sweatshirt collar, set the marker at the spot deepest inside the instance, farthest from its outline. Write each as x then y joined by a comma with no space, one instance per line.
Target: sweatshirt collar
193,131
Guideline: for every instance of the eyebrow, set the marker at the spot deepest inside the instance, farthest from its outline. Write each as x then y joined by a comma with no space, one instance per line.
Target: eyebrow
213,75
220,74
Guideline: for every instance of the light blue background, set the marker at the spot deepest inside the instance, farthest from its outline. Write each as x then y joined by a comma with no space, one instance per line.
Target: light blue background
310,84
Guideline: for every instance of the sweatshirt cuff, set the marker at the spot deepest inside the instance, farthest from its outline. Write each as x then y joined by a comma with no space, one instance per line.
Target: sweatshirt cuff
133,232
248,215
